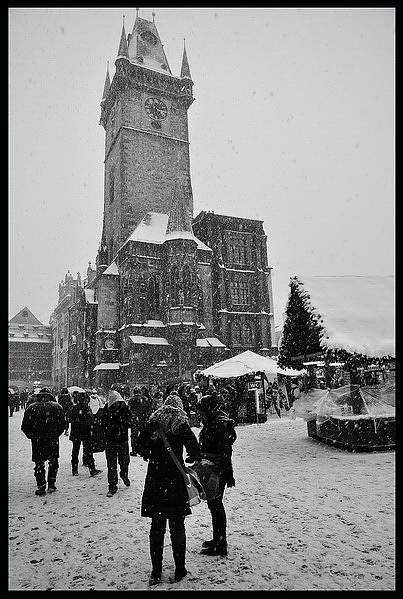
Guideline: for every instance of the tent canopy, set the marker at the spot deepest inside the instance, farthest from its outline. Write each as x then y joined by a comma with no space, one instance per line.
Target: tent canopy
247,363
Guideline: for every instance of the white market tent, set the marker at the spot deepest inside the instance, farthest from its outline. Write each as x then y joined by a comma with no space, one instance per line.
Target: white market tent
247,363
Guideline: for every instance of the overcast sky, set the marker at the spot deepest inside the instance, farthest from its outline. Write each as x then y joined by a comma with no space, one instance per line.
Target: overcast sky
293,124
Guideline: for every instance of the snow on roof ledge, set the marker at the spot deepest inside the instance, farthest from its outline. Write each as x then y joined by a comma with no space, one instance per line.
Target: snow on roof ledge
142,340
112,269
107,366
358,312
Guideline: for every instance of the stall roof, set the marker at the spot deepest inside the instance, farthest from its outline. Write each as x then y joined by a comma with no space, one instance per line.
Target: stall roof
247,362
357,312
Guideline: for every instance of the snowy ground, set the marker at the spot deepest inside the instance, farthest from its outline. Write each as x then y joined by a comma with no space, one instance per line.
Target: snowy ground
303,516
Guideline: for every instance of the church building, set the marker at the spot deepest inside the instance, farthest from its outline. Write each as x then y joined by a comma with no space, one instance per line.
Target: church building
170,293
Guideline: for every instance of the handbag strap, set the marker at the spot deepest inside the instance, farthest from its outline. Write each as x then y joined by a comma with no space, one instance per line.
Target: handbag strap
173,456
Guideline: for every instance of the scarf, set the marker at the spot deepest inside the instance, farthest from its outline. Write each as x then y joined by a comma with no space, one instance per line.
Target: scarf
170,415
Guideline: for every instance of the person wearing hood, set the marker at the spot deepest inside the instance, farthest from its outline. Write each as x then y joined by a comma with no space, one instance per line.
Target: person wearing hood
165,497
82,421
216,439
43,423
67,404
141,407
115,421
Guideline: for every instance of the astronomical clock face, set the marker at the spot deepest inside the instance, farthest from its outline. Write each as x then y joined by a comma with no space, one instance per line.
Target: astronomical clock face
156,108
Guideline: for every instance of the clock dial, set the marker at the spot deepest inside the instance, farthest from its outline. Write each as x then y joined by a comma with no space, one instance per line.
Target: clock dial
156,108
109,344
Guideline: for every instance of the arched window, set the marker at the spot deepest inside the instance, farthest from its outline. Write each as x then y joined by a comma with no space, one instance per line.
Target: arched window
174,286
153,298
236,333
187,285
112,186
247,334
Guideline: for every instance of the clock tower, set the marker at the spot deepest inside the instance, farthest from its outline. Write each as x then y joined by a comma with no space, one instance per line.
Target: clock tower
144,111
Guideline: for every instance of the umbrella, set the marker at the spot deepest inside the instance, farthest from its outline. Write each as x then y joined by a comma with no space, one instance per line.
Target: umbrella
72,389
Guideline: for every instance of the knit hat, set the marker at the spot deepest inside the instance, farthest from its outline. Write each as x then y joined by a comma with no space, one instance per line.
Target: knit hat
45,393
174,400
208,404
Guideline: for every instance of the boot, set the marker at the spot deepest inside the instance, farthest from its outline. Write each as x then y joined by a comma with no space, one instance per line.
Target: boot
74,469
179,574
153,580
125,479
217,549
52,486
111,492
41,491
208,543
95,471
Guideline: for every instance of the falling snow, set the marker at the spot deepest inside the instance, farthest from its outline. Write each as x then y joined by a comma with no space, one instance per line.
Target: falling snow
302,516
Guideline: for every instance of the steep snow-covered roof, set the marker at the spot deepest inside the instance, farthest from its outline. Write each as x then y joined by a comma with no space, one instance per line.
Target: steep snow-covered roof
153,229
358,312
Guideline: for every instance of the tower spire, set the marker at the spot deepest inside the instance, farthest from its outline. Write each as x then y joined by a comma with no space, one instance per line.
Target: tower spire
123,50
185,70
107,83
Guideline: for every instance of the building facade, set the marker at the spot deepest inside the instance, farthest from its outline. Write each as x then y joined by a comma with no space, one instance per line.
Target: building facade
167,296
29,351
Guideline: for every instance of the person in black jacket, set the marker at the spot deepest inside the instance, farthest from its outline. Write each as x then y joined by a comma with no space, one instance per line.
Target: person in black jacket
165,496
141,407
82,419
67,404
43,423
115,422
216,439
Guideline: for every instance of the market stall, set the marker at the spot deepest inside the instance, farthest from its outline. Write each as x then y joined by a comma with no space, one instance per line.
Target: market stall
341,330
248,376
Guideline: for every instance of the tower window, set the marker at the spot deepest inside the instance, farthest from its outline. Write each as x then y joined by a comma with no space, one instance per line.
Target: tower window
240,293
236,334
247,334
175,285
187,285
153,298
112,187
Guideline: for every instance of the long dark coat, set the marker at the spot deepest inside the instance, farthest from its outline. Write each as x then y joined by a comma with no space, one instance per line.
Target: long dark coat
67,404
82,420
164,488
115,422
141,408
216,439
43,423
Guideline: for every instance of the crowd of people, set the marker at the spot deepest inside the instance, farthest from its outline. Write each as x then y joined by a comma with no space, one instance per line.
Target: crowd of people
160,426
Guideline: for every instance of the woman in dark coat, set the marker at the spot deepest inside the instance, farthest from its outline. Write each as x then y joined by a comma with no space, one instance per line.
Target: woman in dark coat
115,421
43,423
165,496
216,439
82,421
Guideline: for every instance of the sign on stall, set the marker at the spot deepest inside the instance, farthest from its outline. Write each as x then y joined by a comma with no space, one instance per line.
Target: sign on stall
254,385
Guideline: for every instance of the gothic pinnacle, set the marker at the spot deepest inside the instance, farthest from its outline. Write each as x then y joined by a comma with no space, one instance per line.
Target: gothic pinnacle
185,70
123,51
107,83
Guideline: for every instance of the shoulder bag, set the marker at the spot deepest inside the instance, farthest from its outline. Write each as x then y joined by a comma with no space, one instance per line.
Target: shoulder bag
192,481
